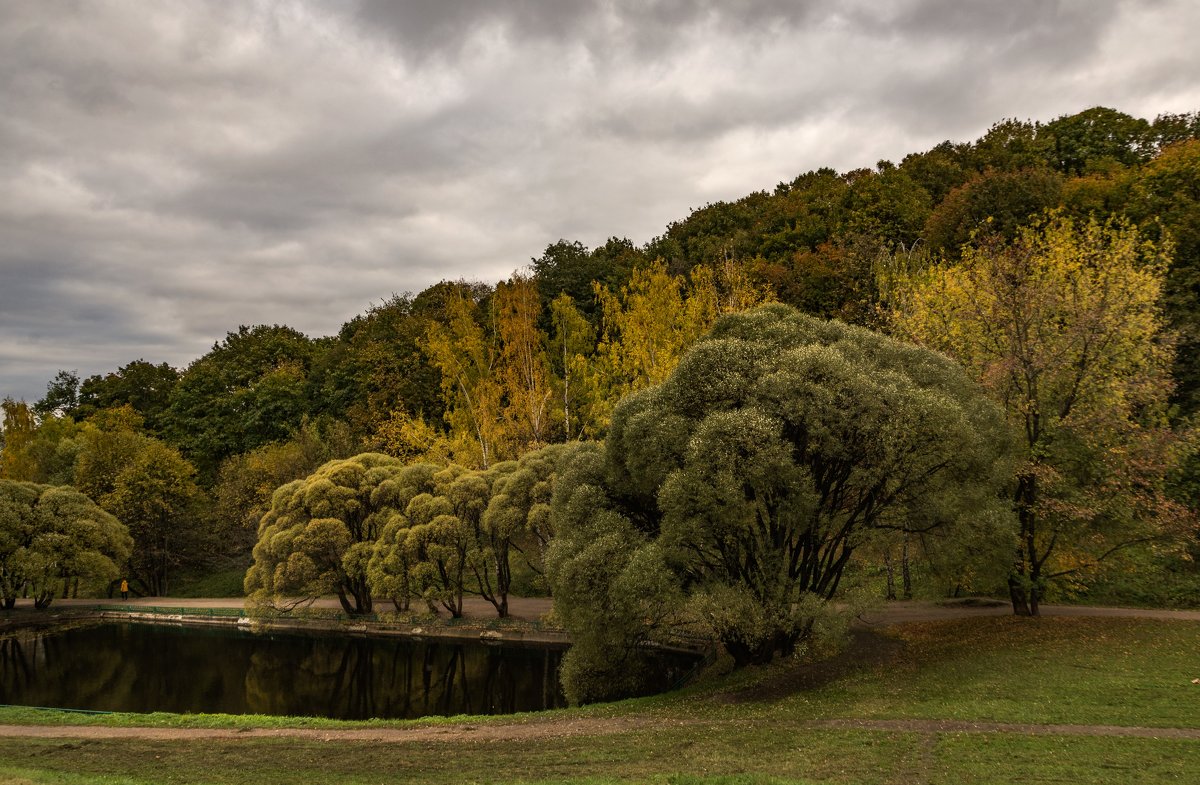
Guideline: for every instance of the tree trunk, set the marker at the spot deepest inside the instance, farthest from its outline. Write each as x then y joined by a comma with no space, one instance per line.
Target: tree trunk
1022,583
891,574
906,576
1018,595
345,601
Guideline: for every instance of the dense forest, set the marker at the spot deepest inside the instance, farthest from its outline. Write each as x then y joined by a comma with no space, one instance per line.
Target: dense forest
465,377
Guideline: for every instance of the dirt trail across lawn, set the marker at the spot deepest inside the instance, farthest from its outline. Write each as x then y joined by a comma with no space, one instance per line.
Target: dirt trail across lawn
865,640
563,729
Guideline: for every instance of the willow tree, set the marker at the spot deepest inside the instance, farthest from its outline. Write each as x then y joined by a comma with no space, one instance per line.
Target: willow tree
319,535
518,513
1063,326
779,445
51,536
391,562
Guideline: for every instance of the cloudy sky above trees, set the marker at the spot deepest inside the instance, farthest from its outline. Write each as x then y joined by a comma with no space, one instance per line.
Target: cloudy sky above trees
169,171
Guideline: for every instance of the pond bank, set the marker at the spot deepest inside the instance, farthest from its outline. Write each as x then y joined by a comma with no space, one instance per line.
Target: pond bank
511,631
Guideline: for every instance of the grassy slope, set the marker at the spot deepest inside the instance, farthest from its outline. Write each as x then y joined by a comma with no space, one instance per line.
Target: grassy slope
750,727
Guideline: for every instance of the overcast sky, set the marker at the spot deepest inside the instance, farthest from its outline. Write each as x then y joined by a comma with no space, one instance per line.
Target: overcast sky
170,170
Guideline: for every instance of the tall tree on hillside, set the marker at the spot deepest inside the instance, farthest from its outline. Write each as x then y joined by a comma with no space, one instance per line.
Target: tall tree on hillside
649,323
647,326
374,369
994,202
524,366
150,488
20,424
1064,326
249,390
156,496
467,357
572,342
62,395
1095,138
143,386
1165,199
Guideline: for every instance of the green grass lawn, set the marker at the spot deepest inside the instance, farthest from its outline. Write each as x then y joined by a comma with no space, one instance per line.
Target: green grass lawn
753,727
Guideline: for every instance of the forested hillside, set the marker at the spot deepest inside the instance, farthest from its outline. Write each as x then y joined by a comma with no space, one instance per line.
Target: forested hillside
481,373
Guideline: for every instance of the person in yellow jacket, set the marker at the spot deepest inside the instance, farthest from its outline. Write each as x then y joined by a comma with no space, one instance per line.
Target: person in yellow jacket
124,589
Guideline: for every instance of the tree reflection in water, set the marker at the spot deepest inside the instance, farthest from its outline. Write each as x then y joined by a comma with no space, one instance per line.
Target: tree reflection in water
137,667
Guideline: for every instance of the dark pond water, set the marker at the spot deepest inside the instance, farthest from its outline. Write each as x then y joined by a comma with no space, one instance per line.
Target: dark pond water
146,667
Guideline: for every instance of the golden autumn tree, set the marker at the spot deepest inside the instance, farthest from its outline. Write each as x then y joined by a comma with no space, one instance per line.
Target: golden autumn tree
524,371
650,322
572,342
466,355
1063,326
16,436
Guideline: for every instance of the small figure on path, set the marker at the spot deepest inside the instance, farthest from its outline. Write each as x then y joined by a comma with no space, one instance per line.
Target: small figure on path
124,589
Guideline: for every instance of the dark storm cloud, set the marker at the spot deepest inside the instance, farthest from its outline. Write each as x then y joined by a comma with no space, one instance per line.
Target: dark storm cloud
170,171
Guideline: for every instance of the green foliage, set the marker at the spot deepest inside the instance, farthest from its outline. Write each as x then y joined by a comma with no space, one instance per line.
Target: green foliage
391,561
147,484
611,585
17,434
1094,138
62,395
51,536
318,536
375,368
996,202
461,372
745,482
251,389
1063,327
141,385
155,495
1165,199
246,482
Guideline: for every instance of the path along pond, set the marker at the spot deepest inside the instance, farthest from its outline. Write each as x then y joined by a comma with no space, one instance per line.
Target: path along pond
142,667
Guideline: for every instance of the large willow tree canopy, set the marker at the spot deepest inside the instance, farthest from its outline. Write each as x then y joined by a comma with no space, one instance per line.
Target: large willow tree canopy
774,450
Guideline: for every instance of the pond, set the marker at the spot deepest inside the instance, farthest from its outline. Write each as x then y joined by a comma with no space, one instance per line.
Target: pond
148,667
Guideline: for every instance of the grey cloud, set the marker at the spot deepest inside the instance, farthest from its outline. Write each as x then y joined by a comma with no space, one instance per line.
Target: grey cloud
434,29
168,172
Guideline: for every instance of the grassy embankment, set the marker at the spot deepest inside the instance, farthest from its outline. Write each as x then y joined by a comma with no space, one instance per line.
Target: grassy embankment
753,727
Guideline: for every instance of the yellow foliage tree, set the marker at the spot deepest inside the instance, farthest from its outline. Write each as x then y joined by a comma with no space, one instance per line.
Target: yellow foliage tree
572,343
1063,326
467,357
20,424
411,439
524,366
650,322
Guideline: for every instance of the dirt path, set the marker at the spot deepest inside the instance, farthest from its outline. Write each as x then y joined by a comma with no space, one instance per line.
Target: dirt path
912,611
563,729
1027,729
